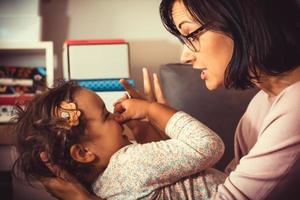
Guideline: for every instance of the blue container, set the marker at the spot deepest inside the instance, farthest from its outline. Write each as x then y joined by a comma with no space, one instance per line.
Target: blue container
100,85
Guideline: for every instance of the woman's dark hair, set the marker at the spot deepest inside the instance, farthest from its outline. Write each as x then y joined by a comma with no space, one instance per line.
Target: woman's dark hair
265,33
36,131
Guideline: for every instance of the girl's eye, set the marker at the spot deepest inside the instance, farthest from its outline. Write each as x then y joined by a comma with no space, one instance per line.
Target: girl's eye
107,115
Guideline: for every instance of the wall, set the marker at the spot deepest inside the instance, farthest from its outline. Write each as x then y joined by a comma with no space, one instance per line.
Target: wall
137,21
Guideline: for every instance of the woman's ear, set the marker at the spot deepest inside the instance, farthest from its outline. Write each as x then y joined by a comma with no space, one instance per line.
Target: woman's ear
81,154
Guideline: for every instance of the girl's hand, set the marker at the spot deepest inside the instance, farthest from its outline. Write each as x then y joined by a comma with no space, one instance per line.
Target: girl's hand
141,131
131,109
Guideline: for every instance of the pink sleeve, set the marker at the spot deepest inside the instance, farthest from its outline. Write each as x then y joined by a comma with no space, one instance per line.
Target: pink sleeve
272,156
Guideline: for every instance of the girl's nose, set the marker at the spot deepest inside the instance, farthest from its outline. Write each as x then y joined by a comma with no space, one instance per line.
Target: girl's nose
116,117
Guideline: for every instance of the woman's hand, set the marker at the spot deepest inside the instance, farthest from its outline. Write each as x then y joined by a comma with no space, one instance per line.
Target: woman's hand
64,186
66,189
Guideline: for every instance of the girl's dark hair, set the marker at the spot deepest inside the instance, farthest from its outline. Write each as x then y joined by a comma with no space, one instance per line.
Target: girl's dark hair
36,131
265,33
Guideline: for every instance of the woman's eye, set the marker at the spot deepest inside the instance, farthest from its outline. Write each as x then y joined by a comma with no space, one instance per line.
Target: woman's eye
193,38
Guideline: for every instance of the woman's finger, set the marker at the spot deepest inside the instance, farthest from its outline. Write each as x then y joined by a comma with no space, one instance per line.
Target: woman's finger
62,189
45,158
158,90
131,91
147,85
55,169
52,184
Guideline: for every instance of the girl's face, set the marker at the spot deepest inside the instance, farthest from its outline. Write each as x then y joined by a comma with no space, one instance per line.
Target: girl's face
215,49
104,134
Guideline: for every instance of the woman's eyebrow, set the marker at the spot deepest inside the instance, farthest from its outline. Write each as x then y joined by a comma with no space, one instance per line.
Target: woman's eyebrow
183,22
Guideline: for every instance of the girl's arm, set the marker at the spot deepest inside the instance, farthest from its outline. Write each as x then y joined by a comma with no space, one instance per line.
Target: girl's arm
135,109
192,148
144,132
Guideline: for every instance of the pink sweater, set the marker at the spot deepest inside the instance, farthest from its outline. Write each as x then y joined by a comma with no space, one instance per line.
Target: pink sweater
267,145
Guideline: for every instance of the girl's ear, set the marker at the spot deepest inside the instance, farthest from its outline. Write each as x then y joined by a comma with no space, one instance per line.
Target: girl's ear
81,154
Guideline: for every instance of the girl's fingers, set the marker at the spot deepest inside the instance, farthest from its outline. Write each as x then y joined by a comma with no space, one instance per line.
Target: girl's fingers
124,97
118,108
158,90
153,92
131,91
147,85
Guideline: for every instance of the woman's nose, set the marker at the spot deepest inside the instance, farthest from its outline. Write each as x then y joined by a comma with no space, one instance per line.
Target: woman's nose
187,56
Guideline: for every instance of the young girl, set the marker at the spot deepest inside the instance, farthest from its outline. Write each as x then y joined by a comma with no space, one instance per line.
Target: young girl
71,125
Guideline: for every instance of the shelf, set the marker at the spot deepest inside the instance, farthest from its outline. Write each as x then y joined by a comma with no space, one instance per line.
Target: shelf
25,45
24,54
29,54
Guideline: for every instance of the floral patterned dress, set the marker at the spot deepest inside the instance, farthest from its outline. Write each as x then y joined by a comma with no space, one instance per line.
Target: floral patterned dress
177,168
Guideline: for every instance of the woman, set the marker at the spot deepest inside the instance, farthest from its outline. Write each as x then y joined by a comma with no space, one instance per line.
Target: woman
241,44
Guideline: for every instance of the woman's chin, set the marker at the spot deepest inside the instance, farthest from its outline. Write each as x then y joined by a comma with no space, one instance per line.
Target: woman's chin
211,86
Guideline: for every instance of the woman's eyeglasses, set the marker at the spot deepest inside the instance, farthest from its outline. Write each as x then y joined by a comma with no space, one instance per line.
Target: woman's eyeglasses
192,40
